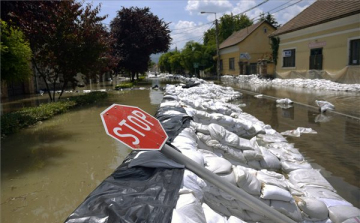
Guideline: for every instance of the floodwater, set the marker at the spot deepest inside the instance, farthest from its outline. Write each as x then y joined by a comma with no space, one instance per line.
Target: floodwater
49,169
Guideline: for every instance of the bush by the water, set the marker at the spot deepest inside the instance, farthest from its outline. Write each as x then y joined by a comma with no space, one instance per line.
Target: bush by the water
14,121
124,85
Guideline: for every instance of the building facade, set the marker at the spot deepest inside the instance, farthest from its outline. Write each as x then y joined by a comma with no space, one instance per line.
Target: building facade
323,41
241,52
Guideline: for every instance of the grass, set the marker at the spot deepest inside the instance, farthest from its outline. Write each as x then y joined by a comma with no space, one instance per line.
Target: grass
14,121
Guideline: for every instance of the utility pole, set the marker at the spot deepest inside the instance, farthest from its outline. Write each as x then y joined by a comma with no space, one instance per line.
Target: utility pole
217,46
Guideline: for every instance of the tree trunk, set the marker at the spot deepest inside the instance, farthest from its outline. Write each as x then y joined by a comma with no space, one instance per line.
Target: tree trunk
137,76
63,88
132,76
44,78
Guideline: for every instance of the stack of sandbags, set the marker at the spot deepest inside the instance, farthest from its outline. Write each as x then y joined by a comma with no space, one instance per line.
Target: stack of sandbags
320,200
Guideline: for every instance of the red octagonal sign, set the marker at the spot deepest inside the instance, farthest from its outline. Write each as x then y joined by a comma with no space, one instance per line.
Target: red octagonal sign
133,127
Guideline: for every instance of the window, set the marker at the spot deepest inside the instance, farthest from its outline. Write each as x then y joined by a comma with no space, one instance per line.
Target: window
354,57
232,63
221,65
265,29
289,58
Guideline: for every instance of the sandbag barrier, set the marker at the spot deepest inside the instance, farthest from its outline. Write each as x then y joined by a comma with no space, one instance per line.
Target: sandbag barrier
248,154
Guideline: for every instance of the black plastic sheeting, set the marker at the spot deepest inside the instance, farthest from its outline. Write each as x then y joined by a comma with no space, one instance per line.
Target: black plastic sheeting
173,124
137,194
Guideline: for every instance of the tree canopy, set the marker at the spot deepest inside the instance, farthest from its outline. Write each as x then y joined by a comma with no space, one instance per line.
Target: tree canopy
138,34
270,19
66,38
15,54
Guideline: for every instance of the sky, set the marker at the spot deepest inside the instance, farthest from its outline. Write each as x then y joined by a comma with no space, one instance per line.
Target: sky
185,18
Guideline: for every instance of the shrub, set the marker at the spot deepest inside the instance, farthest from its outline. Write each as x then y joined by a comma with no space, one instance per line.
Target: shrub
14,121
124,85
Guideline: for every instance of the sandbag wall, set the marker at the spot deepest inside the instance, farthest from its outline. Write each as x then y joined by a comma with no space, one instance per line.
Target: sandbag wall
247,153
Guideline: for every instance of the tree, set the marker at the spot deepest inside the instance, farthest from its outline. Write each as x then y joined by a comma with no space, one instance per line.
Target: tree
138,34
66,39
15,55
228,24
270,19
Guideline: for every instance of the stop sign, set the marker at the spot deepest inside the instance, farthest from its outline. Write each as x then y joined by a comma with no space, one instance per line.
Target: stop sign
133,127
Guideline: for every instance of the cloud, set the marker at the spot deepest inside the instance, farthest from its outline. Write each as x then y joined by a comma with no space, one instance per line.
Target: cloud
287,14
244,5
184,31
197,6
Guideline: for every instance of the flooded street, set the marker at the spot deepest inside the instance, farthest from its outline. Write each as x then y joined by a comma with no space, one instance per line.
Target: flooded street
49,169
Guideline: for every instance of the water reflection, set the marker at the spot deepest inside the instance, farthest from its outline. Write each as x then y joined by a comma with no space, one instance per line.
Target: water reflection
335,148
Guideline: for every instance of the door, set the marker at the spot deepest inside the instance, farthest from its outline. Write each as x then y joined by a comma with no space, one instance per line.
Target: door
316,58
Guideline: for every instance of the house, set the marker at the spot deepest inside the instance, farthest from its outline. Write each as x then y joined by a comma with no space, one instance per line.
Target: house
323,41
241,52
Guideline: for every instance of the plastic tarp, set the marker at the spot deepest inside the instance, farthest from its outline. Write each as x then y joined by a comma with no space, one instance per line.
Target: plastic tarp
138,194
173,123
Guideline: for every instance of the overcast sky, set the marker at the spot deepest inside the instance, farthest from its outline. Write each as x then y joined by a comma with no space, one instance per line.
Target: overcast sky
186,21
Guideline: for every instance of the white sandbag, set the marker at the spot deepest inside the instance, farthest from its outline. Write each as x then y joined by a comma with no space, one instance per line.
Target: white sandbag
214,204
229,177
272,178
247,181
226,137
318,192
352,220
252,155
289,166
277,137
284,101
334,202
179,218
193,182
309,177
340,214
193,155
254,164
272,192
324,105
313,208
200,127
297,132
217,165
170,103
233,219
211,216
287,208
269,160
190,111
187,205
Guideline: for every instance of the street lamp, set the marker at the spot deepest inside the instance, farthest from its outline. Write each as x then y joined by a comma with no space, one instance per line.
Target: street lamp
217,46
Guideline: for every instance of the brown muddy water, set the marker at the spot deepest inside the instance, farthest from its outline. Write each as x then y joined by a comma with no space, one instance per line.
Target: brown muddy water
49,169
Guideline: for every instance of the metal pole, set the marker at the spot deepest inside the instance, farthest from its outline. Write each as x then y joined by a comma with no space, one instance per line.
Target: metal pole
236,192
217,49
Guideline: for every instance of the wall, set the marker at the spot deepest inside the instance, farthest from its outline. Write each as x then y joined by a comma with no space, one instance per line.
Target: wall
333,37
257,45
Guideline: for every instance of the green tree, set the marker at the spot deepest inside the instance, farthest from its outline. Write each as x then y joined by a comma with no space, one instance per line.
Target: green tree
15,55
66,38
138,34
228,24
270,19
164,62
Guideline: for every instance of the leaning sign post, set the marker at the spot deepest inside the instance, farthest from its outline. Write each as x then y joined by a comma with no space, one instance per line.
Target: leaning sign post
141,131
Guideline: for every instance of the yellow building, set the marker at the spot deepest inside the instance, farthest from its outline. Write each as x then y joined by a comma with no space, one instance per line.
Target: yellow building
323,41
240,52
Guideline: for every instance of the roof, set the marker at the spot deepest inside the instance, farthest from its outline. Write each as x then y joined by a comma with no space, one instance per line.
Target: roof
240,35
320,12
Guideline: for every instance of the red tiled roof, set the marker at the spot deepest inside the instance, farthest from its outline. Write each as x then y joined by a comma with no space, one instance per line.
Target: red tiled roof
320,12
239,36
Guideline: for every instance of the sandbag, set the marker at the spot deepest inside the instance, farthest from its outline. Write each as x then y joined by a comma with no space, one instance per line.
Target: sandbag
233,219
193,182
215,164
187,205
287,208
272,192
272,178
247,181
313,208
340,214
269,161
309,177
289,166
211,216
194,155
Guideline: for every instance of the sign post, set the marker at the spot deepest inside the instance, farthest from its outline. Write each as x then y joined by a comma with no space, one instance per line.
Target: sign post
140,131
